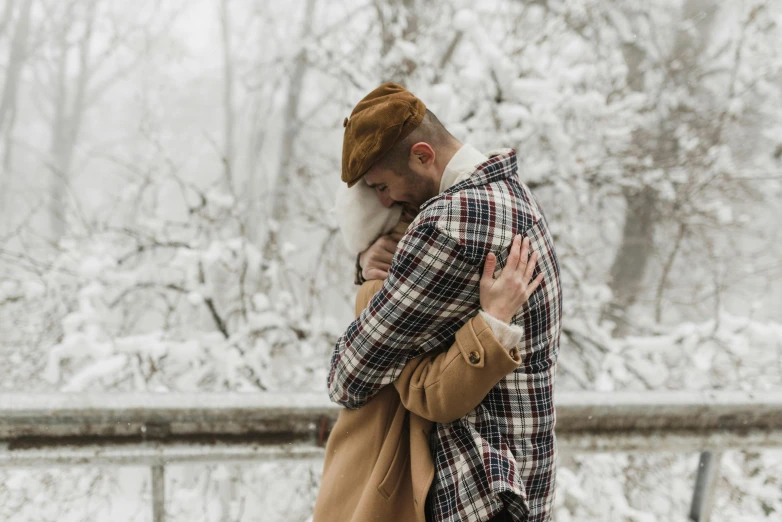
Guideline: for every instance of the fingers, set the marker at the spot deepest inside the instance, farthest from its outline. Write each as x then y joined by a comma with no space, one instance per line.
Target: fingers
377,259
524,251
534,285
388,244
513,258
381,266
488,267
381,256
533,260
375,273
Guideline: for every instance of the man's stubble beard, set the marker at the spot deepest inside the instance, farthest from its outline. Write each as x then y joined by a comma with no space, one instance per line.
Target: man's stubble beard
422,189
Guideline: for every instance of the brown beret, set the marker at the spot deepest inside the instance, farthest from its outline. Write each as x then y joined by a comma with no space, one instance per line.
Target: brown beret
384,117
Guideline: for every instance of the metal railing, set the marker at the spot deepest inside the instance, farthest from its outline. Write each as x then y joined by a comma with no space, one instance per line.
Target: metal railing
160,429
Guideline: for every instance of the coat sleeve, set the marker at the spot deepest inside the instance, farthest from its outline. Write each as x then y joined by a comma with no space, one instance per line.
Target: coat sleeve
418,308
445,386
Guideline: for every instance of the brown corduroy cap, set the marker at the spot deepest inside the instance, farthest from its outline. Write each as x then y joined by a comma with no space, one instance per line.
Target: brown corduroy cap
384,117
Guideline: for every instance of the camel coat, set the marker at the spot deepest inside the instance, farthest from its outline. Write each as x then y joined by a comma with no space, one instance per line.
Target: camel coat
378,466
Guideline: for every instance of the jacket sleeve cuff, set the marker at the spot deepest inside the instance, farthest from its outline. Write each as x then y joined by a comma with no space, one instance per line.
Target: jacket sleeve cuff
509,335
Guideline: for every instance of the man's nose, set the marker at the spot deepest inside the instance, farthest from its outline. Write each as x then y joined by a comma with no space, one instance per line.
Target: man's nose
385,199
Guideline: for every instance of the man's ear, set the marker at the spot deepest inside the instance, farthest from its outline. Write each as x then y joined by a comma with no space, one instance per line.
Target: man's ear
421,154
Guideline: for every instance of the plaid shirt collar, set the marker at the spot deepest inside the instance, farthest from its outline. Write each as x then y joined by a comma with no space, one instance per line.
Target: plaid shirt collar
500,165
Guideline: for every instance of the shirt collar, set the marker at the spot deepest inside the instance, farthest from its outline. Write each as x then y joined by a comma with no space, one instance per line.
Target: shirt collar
462,164
500,165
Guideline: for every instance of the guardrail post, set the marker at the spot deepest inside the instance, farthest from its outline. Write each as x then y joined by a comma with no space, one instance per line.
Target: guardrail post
158,493
705,486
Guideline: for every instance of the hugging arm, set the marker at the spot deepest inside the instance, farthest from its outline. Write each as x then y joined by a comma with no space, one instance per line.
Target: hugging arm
414,309
430,290
445,386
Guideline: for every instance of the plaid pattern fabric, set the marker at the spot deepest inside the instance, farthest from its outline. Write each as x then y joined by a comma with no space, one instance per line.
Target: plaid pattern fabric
504,451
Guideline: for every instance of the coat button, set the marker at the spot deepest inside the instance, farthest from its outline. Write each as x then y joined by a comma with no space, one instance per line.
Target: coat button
514,353
475,357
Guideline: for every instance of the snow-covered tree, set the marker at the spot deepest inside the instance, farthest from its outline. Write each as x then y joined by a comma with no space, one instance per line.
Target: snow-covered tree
169,167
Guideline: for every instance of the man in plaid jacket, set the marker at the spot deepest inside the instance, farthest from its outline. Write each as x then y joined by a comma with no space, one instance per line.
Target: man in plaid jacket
497,462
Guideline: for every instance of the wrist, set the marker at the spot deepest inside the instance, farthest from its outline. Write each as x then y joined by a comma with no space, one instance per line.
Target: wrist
358,278
360,259
508,335
500,316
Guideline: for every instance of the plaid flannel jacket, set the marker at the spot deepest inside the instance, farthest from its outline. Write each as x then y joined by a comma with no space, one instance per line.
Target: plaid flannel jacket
504,451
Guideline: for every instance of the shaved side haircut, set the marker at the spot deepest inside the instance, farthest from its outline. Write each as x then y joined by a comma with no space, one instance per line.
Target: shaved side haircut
430,131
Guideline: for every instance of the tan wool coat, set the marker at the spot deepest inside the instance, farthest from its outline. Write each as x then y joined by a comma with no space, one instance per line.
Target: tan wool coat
378,466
